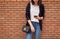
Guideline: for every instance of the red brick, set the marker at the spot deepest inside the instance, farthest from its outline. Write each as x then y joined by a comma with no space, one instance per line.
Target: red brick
12,18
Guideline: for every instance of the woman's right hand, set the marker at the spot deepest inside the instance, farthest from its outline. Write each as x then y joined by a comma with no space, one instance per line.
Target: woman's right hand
31,26
32,29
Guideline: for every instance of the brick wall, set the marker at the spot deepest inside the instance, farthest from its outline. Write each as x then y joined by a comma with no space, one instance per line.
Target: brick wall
12,17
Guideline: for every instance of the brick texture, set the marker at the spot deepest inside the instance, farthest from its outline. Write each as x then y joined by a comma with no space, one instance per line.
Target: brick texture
12,18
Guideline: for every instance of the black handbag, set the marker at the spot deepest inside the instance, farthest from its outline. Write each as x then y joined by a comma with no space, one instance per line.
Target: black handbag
26,28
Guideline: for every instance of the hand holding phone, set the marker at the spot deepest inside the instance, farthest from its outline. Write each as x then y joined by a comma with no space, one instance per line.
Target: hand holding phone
35,16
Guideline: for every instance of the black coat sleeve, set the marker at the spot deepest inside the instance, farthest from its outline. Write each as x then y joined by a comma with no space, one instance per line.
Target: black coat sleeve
28,11
41,14
42,10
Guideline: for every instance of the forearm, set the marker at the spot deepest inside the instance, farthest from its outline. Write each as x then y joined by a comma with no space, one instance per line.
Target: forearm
29,21
31,26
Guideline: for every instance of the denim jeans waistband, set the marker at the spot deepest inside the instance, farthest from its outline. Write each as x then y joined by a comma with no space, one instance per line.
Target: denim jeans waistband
34,22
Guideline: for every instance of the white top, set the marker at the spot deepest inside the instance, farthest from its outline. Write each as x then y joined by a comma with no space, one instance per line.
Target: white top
34,11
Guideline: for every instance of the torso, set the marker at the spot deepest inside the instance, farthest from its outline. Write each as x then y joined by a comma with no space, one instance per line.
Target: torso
34,10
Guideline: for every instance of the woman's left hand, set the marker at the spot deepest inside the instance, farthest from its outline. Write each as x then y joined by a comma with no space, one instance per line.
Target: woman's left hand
39,18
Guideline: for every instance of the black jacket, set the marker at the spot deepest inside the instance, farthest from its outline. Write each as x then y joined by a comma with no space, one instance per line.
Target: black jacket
41,13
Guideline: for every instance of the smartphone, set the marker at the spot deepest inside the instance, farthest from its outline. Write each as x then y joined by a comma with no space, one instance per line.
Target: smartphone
35,16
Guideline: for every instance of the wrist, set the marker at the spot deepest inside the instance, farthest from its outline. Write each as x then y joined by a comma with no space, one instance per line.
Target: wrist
40,18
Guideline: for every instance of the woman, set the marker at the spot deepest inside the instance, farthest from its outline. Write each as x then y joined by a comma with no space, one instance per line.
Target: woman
34,16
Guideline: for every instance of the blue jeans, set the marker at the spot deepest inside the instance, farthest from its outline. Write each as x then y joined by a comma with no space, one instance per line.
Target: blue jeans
37,31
